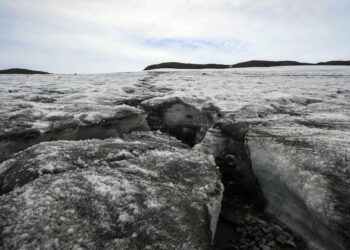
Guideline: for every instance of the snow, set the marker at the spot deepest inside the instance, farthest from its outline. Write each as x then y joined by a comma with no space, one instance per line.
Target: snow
47,168
41,126
28,196
124,217
187,98
124,154
135,168
153,204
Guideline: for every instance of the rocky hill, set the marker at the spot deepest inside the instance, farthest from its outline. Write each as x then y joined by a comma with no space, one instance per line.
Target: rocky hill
252,63
177,65
335,63
22,71
263,63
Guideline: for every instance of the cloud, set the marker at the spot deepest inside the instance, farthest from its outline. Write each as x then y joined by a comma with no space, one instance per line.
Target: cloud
116,35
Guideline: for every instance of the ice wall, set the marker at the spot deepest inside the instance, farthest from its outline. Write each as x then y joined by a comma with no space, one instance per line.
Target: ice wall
298,181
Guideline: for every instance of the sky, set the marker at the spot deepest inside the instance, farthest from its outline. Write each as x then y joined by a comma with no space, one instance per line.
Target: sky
97,36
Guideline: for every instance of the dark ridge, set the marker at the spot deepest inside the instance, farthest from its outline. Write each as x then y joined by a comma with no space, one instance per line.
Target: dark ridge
22,71
252,63
345,63
177,65
260,63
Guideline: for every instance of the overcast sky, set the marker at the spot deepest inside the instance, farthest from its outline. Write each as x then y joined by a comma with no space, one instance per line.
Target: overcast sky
94,36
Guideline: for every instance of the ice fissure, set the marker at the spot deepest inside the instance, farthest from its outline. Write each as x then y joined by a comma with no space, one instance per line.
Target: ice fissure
243,221
243,204
281,177
156,174
262,204
125,120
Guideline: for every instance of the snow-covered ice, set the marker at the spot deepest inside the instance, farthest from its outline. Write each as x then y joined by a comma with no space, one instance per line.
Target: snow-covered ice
87,199
298,122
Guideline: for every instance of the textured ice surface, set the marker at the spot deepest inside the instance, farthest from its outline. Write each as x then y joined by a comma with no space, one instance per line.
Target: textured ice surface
31,102
147,191
315,93
298,120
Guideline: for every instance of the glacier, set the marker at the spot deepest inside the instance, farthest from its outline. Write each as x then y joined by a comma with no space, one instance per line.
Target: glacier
284,130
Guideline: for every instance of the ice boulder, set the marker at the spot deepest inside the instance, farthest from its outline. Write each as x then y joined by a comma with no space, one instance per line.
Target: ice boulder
145,191
186,118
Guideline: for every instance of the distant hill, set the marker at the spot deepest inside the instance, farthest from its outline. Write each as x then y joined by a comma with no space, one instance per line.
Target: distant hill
252,63
22,71
177,65
260,63
346,63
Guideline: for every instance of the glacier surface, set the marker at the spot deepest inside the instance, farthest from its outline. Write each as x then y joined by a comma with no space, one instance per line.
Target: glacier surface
297,121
